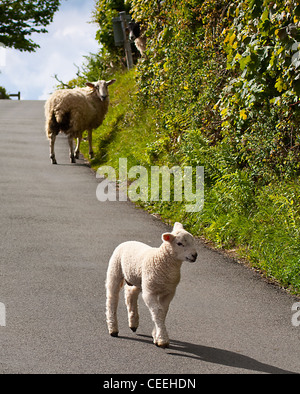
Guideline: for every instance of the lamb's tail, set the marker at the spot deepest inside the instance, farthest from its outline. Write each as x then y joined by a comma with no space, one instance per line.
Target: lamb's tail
114,277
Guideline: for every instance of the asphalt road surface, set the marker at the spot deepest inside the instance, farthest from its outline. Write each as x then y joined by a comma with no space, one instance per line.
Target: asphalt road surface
56,239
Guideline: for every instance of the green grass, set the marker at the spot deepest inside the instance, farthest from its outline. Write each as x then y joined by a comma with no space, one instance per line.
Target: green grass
126,130
261,222
265,229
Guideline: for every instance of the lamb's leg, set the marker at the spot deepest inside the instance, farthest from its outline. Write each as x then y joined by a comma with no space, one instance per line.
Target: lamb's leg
77,150
165,303
71,144
114,283
158,309
131,299
90,138
52,153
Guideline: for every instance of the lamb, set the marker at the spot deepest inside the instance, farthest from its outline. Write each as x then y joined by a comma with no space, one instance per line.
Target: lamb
155,272
72,111
136,34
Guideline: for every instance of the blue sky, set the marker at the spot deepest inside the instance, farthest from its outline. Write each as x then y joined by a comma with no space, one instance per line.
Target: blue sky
69,38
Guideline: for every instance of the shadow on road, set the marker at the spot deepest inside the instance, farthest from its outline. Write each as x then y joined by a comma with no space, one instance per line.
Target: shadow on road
213,355
85,164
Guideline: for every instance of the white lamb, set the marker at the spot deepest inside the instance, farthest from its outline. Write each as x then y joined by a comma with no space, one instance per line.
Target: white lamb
72,111
155,272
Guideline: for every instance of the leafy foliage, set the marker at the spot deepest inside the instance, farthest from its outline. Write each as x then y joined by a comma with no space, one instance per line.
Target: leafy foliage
260,103
19,19
112,57
104,12
218,87
176,76
223,76
3,93
263,42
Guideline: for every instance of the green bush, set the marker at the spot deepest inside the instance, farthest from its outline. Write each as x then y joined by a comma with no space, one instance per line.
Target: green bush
3,93
260,103
218,88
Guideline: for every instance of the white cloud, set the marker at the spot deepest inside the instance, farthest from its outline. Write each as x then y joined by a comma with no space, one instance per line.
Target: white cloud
69,38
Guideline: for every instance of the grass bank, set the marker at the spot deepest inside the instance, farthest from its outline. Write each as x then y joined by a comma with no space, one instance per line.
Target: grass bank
261,221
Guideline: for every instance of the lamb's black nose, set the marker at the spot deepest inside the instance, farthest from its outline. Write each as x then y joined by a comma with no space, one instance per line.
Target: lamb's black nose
195,256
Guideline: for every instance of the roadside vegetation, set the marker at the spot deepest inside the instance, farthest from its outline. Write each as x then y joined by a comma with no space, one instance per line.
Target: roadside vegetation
3,94
219,87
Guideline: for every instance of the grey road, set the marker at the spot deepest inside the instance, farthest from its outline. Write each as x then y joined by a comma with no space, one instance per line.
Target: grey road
56,239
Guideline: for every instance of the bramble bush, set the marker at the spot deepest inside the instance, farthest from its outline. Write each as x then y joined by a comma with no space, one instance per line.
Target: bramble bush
224,79
260,103
218,87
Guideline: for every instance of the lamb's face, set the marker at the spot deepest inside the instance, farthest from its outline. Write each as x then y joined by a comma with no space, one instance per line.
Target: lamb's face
101,88
183,244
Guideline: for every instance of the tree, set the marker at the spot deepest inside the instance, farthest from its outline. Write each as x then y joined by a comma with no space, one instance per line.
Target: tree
19,19
3,94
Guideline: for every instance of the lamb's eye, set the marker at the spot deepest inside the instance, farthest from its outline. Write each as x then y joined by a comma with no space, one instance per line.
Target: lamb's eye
179,244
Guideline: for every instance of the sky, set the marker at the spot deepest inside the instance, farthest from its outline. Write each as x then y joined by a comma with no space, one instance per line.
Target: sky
69,38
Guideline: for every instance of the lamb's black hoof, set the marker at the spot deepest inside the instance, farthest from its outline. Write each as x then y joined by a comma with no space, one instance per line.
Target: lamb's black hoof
133,329
114,334
163,345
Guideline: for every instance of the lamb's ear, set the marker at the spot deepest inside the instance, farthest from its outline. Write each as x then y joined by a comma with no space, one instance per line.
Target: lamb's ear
110,82
90,85
167,237
177,226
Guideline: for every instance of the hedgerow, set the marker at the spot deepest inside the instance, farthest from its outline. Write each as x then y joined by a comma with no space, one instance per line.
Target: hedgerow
219,87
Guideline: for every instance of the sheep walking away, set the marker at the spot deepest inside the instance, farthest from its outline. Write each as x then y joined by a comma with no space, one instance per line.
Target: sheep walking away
73,111
153,271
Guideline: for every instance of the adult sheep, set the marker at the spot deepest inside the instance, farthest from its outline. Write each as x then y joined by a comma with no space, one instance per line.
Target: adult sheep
72,111
137,34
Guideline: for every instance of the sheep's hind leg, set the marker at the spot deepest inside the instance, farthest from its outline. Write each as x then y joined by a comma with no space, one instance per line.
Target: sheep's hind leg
131,299
52,153
114,283
90,138
72,156
77,150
